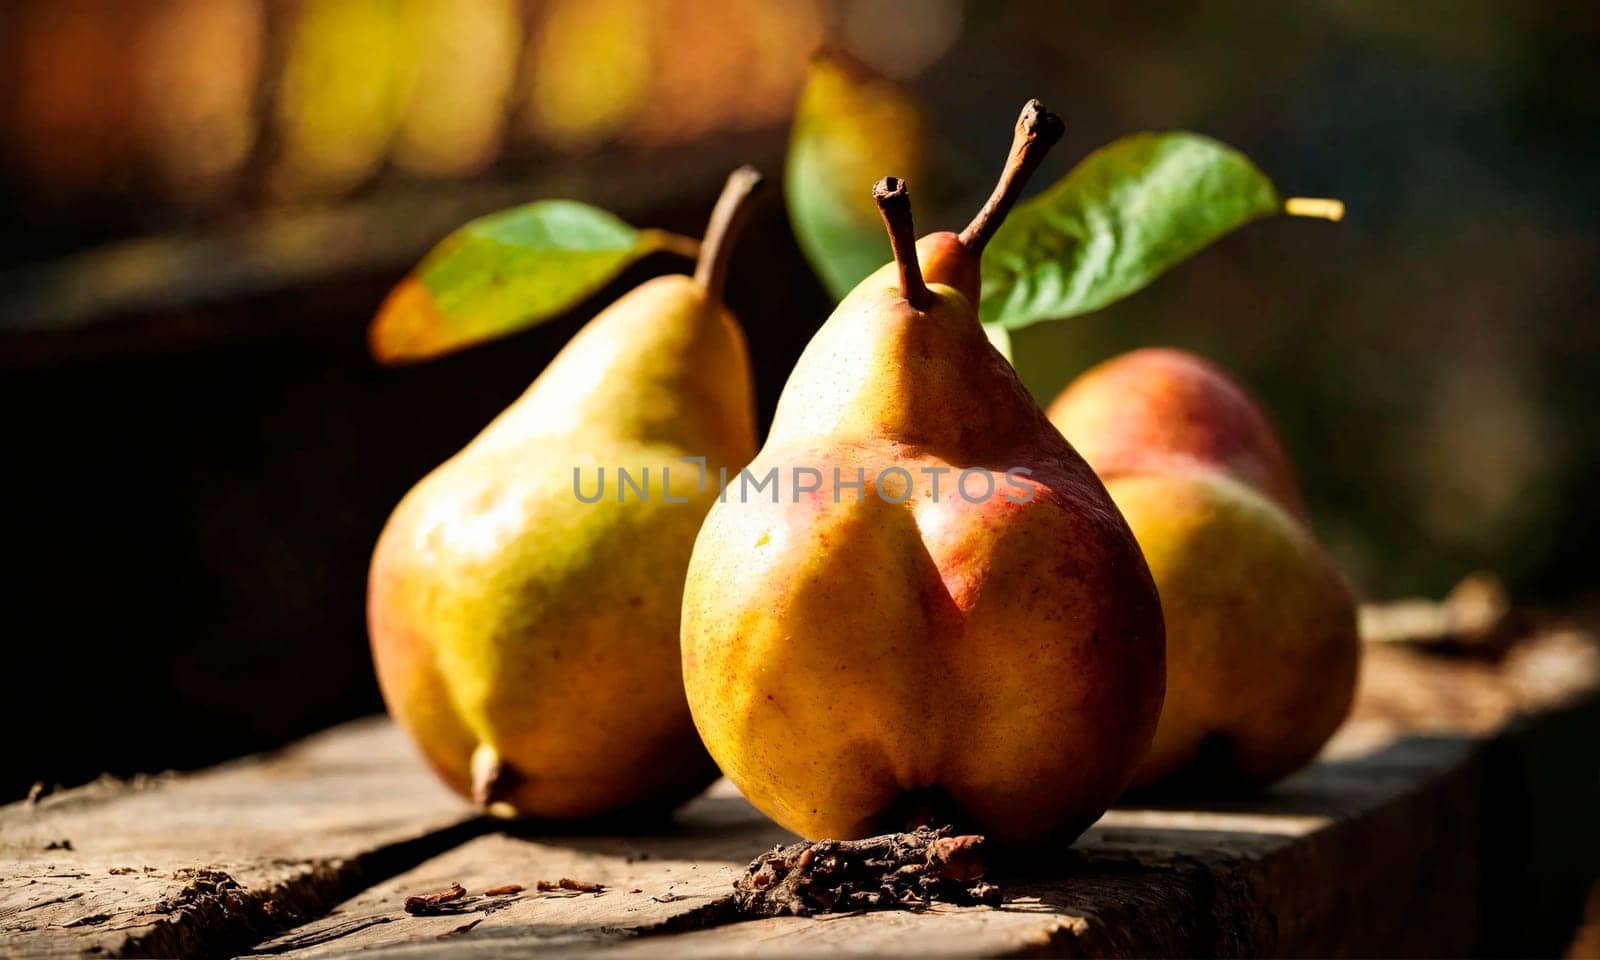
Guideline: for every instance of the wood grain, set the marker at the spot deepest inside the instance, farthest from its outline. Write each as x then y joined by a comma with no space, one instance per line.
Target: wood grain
201,864
1247,879
1374,850
1456,812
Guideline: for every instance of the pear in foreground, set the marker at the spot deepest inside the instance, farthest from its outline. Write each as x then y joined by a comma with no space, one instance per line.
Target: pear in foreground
939,615
527,639
1261,629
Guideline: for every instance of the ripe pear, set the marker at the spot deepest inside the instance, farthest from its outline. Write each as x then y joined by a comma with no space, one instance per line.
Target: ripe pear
1149,408
1261,629
954,639
527,639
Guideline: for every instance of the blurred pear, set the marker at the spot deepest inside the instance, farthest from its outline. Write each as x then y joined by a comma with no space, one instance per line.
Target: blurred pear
199,68
344,90
850,123
729,65
589,70
466,68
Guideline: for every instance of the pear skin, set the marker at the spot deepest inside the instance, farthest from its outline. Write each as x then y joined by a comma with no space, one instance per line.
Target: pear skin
1135,412
526,639
1261,648
862,659
1261,630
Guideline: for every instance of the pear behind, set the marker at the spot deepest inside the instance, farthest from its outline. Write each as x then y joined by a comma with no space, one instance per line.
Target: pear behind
1261,650
1261,632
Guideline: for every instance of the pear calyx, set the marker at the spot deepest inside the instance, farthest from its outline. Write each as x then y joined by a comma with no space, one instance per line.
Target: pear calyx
728,217
492,780
894,205
1037,131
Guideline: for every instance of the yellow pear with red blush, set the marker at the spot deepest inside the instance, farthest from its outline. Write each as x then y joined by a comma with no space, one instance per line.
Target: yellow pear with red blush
524,624
1261,629
936,614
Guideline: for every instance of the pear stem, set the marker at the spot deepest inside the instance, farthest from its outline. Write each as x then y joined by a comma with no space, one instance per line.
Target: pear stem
728,217
1037,131
676,243
894,205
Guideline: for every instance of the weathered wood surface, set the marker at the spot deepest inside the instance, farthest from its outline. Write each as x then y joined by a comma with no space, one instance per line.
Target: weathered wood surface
1455,782
189,865
1142,881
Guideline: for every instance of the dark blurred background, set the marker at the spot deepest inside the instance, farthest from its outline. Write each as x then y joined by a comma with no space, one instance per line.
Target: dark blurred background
205,200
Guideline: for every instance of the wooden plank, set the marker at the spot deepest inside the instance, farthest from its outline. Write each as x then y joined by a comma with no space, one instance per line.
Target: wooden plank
1431,798
200,864
1141,882
1376,849
662,872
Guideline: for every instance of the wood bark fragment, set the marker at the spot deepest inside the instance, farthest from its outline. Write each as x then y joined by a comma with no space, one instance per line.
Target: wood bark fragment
567,883
504,890
430,904
893,871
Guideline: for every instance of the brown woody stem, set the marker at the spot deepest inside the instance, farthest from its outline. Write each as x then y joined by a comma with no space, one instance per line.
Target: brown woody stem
1037,131
727,219
894,204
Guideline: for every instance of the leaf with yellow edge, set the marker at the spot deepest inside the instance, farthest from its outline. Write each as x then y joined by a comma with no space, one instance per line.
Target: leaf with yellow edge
850,129
506,272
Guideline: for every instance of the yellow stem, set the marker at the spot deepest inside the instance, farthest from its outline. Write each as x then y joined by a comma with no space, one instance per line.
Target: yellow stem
675,243
1319,207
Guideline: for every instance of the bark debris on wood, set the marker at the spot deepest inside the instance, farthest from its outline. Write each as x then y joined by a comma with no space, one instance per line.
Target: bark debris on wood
567,884
893,871
427,904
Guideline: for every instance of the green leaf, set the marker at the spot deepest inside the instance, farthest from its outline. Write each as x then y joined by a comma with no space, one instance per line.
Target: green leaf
506,272
851,128
1129,212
